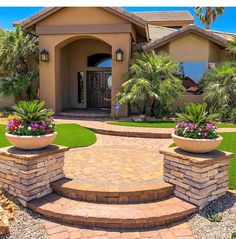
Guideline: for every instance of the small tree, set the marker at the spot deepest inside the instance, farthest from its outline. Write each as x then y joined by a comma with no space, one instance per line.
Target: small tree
219,85
152,79
207,15
18,52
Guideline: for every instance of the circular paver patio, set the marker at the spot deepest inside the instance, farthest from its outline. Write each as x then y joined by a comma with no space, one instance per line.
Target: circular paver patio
117,160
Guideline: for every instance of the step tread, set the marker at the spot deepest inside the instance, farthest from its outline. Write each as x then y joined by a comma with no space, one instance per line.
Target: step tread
113,189
114,215
173,231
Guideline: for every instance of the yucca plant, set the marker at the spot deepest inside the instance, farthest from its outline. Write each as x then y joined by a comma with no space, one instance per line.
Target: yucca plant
32,111
197,114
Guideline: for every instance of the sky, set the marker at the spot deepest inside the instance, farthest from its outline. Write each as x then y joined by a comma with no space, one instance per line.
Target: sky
226,23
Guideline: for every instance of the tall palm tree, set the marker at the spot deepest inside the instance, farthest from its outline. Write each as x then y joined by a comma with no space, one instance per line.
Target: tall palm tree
219,85
207,15
18,51
152,78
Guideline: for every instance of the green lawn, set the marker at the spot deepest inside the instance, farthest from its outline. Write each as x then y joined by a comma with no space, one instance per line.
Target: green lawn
70,135
229,144
160,124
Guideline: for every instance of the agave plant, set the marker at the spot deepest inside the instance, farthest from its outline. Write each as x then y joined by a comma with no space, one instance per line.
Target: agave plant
215,217
197,114
32,111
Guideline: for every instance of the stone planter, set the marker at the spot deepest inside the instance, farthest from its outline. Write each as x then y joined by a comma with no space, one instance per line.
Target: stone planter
31,142
196,145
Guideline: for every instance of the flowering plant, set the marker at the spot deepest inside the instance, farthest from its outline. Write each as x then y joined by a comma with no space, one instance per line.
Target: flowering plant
190,130
30,119
17,127
196,123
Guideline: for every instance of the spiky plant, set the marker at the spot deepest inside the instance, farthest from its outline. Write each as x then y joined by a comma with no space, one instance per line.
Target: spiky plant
197,114
207,15
31,111
215,217
151,78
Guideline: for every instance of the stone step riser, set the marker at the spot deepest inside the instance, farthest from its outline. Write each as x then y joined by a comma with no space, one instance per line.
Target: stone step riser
109,216
109,223
144,196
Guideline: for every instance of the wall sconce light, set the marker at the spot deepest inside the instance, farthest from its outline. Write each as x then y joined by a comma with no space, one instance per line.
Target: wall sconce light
119,55
44,55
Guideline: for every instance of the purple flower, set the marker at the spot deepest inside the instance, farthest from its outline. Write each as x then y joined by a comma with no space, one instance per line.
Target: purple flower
184,124
10,123
209,126
191,126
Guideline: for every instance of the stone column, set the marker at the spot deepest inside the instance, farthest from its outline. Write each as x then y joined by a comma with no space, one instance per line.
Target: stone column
27,175
198,178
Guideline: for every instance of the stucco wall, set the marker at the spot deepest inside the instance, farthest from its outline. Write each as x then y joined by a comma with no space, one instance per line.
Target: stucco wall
190,47
81,16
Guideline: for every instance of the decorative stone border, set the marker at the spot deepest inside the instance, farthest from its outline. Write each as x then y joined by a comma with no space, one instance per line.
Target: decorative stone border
27,174
198,178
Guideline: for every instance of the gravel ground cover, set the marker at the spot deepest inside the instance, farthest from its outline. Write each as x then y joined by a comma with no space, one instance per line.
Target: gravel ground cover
205,229
25,225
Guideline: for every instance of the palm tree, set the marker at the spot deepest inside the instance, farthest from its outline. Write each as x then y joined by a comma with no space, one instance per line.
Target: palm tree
231,46
18,51
207,15
219,85
152,78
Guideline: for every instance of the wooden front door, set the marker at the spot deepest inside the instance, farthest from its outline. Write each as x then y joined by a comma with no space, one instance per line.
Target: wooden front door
98,92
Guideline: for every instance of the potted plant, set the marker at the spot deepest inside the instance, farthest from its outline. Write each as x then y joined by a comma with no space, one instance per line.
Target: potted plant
196,133
31,127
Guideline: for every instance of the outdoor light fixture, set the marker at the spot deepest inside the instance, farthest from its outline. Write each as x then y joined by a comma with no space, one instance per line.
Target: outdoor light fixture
119,55
44,55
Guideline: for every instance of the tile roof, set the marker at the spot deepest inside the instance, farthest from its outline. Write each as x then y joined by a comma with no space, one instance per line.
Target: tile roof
50,10
165,16
157,32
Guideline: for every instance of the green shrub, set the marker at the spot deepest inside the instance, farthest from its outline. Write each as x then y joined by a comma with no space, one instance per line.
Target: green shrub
233,116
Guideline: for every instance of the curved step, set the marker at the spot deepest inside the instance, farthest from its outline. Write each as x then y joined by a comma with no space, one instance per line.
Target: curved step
135,134
136,193
112,215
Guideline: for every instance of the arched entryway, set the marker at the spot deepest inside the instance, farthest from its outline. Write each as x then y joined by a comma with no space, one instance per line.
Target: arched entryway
85,75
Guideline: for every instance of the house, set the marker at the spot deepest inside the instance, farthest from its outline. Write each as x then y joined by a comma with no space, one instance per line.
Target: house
85,51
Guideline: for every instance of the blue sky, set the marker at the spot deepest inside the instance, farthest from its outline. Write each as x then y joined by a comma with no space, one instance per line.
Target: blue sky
224,23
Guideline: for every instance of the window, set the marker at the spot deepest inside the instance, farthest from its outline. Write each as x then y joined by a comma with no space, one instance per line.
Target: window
99,60
193,70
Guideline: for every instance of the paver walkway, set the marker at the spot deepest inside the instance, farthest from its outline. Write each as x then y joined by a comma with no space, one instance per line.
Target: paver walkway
115,161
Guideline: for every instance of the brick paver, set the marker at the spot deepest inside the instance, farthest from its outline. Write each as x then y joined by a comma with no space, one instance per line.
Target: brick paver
174,231
141,215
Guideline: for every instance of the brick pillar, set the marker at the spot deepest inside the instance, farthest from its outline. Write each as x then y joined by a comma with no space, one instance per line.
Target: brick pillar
198,178
27,175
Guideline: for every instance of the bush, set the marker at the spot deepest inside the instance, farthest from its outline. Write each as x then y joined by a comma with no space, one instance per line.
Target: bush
233,116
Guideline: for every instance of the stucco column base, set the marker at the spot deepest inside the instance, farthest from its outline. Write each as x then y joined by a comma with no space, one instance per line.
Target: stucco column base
27,175
198,178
